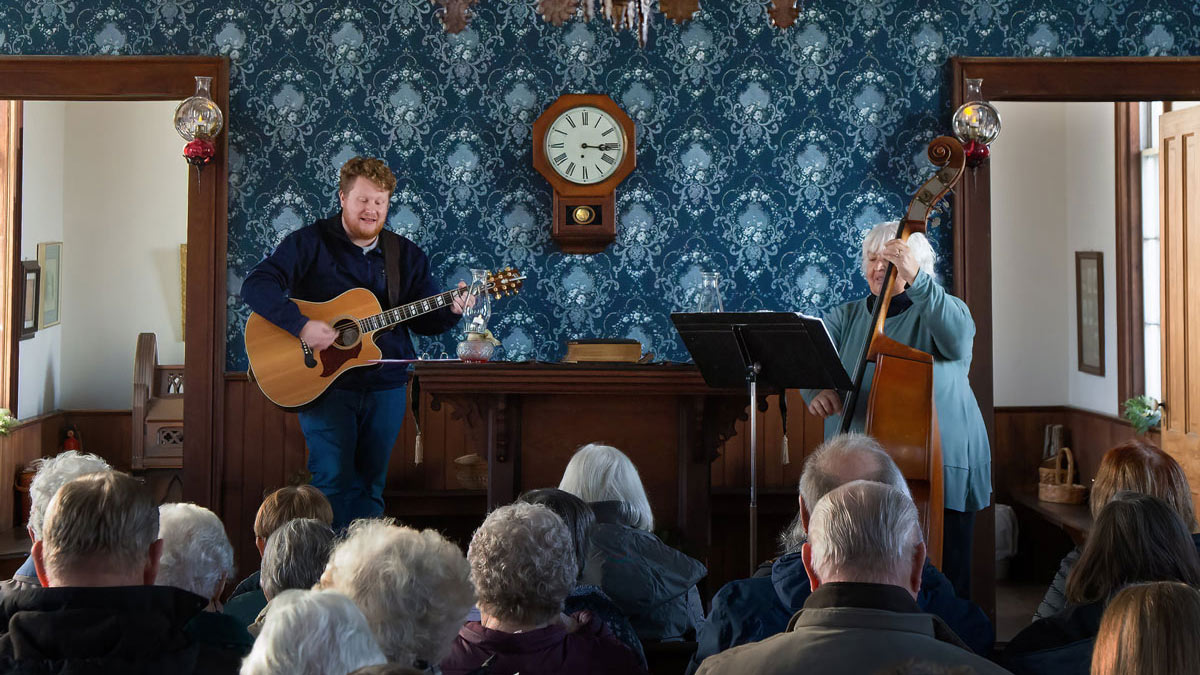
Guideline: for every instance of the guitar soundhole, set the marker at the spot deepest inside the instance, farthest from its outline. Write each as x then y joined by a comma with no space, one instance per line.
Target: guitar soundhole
347,333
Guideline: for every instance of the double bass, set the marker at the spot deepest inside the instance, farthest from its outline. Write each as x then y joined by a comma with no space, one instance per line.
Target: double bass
900,409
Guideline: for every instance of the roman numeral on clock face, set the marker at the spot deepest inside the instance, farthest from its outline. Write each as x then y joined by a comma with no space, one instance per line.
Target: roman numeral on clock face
556,145
608,131
608,158
584,172
570,121
571,168
585,118
560,158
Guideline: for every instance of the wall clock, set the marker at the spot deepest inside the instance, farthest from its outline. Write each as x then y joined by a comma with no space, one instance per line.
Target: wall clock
583,144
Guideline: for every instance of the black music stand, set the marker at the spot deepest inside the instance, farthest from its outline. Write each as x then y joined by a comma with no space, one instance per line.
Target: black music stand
781,350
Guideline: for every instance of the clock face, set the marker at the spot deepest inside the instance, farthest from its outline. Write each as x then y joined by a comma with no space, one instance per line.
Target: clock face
585,145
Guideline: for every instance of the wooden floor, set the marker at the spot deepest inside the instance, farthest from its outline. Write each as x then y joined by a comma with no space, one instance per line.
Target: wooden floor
1015,604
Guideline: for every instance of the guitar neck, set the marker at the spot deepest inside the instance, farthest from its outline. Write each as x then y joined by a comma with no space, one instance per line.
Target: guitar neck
402,313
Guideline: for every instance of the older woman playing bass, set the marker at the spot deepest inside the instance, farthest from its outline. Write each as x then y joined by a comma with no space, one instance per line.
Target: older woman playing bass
924,316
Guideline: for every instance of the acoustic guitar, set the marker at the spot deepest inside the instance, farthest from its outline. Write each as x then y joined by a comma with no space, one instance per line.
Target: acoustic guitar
291,374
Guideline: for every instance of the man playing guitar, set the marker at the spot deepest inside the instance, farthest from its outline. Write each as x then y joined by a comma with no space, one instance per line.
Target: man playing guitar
351,429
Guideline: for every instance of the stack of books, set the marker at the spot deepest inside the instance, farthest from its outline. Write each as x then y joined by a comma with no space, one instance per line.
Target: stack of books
603,350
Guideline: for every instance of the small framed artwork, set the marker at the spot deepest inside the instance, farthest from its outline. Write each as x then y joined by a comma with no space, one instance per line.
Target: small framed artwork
31,275
1089,310
50,258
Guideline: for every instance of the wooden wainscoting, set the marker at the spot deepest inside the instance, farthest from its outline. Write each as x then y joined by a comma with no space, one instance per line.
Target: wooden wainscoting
1019,436
103,432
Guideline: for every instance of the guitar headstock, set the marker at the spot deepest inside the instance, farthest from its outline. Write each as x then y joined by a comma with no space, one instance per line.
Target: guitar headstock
507,281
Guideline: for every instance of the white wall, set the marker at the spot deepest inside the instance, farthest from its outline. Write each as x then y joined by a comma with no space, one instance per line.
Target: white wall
39,376
1092,226
124,215
1053,177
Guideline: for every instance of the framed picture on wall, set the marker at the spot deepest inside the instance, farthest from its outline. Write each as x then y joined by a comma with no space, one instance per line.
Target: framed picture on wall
50,258
31,275
1089,310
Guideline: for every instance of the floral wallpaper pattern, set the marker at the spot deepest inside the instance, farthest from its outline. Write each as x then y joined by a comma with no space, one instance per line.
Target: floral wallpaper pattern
762,154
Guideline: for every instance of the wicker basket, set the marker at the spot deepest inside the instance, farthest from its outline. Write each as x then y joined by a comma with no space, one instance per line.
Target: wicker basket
1062,489
471,471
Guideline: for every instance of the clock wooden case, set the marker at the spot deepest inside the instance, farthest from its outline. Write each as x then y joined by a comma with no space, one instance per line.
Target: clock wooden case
583,144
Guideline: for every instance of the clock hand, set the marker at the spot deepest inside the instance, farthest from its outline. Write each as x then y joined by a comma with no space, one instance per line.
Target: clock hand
603,147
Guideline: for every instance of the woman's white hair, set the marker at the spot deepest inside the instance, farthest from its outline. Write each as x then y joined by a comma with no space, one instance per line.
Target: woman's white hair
918,244
413,587
53,473
312,633
295,556
864,531
601,473
196,554
523,563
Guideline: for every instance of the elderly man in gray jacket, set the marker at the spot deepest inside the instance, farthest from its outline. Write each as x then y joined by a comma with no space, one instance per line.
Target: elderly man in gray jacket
864,557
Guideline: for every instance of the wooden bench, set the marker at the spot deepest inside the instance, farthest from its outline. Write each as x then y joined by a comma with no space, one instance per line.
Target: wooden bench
157,409
1074,519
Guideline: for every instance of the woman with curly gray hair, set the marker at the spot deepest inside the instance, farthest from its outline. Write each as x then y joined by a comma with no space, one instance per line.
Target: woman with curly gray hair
413,587
523,565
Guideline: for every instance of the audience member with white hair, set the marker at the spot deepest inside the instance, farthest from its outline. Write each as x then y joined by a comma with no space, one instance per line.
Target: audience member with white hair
294,558
413,586
100,611
313,633
52,473
198,557
749,610
523,565
864,557
652,583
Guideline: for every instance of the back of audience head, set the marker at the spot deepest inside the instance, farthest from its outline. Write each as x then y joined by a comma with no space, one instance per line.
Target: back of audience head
53,473
522,564
1139,466
100,530
413,587
312,633
1149,629
289,503
295,556
1136,538
196,553
575,513
837,461
865,532
602,473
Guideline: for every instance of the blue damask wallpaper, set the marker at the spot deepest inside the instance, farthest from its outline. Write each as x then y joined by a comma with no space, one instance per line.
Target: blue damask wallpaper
762,154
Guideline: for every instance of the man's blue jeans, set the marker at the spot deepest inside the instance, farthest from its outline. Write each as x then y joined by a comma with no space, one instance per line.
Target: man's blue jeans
350,434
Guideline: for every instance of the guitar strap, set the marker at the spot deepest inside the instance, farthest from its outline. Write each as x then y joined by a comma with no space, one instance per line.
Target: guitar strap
391,263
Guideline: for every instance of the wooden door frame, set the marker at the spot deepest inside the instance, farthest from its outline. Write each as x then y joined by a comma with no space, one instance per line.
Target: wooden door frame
1033,79
1018,79
159,78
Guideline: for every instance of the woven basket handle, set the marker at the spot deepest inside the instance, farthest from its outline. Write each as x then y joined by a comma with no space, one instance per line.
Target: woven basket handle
1070,471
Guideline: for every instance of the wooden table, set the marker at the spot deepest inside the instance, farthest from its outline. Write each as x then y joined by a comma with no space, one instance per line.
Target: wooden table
527,419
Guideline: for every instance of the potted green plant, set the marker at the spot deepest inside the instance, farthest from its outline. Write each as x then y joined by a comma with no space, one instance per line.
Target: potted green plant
1143,412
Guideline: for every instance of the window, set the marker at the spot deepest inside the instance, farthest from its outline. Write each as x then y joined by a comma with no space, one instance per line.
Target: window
1151,331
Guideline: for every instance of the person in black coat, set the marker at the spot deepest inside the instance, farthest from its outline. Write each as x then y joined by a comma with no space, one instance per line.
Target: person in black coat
98,611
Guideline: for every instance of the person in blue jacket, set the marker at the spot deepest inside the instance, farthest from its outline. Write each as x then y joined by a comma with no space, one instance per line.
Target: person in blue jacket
749,610
924,316
351,429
